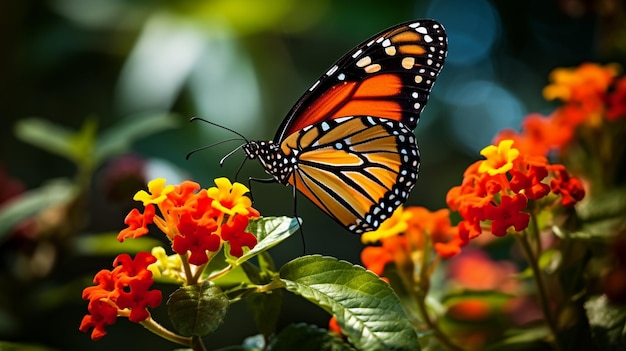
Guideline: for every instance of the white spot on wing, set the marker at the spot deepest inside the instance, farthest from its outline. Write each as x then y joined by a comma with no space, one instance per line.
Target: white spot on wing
364,61
332,70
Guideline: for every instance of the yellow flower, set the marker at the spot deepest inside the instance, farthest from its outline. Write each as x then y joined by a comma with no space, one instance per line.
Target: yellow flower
499,159
166,266
229,198
394,225
158,192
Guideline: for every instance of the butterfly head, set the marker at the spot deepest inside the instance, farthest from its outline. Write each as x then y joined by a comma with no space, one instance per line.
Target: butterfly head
274,161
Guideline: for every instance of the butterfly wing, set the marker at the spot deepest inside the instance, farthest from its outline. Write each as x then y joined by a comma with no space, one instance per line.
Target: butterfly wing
388,76
356,169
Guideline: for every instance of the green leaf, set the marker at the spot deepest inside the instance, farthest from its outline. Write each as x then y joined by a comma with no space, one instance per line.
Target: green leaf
106,244
269,231
32,202
601,216
197,309
303,337
607,322
119,138
253,273
12,346
265,308
76,146
46,135
366,308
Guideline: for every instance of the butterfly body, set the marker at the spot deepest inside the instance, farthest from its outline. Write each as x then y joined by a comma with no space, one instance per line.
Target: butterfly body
348,144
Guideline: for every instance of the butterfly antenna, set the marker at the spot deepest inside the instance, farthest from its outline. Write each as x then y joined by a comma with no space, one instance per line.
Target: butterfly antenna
219,126
214,144
230,153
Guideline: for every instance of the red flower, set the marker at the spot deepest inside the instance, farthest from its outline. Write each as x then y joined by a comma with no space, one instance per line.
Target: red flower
508,213
570,188
137,297
137,223
234,232
101,315
499,191
530,182
196,237
124,290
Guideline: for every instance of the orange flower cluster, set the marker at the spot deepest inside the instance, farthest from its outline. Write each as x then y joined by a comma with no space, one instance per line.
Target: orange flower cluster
590,93
406,232
195,220
498,189
198,223
124,291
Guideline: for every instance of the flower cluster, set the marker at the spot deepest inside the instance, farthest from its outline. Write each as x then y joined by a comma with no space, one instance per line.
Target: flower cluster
123,291
196,221
498,189
591,94
407,232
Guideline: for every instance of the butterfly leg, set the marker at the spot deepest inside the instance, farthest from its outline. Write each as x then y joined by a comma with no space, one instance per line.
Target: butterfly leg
258,180
295,215
295,204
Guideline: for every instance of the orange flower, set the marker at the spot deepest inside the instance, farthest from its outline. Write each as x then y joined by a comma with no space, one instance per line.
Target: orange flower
497,190
195,220
123,291
589,92
406,234
584,85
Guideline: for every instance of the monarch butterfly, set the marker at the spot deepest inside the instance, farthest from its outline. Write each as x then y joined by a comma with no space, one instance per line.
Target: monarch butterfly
348,144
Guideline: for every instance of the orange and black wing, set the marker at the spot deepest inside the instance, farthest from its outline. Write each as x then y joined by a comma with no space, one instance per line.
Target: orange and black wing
356,169
388,76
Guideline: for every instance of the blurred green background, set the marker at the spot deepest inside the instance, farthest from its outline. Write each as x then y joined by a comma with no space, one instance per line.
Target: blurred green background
240,63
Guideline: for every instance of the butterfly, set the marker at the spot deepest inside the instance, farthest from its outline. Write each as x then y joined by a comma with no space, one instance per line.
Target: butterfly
348,144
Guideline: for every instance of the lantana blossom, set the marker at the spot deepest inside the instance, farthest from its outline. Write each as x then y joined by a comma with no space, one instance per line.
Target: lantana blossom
405,234
125,290
591,94
193,219
197,222
489,194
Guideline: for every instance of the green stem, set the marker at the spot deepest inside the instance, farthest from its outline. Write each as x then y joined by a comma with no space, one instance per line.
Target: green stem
220,273
197,344
439,335
166,334
533,261
426,269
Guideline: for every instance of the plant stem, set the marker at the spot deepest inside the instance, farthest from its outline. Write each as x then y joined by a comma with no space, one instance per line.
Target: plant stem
533,261
166,334
439,335
197,344
421,290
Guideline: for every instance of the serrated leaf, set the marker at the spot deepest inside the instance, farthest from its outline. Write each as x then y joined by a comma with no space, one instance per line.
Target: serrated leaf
304,337
118,138
607,322
197,310
366,308
270,231
34,201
